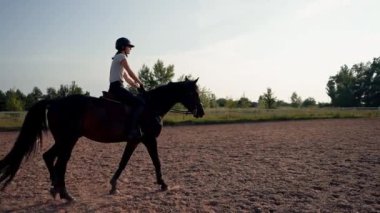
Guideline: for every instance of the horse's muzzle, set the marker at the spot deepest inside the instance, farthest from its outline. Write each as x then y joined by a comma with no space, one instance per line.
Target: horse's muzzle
198,113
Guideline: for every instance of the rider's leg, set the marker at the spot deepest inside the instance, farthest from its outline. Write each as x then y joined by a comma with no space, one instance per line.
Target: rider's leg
137,109
136,104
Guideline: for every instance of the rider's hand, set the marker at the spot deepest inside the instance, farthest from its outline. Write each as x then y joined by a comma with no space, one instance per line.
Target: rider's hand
141,89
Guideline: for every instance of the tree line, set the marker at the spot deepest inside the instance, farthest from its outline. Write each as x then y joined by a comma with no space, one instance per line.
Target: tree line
350,87
15,100
356,86
160,74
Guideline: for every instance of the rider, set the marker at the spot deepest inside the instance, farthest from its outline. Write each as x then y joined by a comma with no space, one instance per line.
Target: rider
120,72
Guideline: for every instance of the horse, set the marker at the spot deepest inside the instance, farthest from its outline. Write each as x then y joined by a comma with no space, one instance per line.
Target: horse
100,120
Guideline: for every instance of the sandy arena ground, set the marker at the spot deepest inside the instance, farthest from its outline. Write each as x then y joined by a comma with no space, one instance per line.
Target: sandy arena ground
293,166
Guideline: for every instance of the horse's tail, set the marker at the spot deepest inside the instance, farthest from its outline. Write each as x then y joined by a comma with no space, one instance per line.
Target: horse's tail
30,135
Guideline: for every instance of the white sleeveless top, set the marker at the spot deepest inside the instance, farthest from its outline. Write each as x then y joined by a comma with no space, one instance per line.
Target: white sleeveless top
117,69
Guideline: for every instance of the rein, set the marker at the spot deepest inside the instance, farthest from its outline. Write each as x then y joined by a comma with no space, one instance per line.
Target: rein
180,111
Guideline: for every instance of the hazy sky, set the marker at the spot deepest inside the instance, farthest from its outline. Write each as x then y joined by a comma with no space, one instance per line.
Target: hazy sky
236,47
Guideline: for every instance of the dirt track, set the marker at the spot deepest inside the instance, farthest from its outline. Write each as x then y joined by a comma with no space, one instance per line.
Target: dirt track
295,166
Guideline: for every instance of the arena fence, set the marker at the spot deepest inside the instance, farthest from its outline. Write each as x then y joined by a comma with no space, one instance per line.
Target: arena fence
13,120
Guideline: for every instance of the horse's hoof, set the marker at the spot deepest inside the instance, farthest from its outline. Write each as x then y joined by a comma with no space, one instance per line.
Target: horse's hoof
67,197
53,192
63,194
164,187
114,192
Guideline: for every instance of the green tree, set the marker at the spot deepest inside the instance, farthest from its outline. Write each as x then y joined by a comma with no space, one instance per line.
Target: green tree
309,102
323,104
73,89
331,91
33,97
343,88
3,99
221,102
295,100
51,93
184,77
231,103
260,102
268,99
208,99
244,102
159,75
15,100
356,86
368,82
146,76
362,82
63,91
281,103
374,90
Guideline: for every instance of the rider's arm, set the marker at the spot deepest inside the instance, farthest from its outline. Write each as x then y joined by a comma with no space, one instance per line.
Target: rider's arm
131,74
130,81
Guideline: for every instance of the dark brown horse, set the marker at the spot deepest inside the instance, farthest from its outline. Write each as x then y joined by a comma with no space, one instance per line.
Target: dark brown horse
99,120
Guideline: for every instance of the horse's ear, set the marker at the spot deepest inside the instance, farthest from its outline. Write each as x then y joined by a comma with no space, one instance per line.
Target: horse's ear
196,80
186,79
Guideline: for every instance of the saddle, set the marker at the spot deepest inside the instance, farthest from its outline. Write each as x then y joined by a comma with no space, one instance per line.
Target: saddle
156,122
109,97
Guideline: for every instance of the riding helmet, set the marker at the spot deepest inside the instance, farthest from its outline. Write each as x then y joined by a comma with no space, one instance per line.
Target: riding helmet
123,42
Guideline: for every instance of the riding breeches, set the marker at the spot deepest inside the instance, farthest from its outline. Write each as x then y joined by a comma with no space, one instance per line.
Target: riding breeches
125,96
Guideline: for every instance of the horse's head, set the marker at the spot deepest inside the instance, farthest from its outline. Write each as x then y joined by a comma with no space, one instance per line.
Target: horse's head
190,98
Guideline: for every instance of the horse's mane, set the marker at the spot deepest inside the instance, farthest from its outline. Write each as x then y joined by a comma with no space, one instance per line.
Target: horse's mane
164,89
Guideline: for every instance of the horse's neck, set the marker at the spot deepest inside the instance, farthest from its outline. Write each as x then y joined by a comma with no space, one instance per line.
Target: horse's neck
161,106
164,107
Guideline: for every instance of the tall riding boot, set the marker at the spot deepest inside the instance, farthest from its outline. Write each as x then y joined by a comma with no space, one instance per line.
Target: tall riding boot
134,132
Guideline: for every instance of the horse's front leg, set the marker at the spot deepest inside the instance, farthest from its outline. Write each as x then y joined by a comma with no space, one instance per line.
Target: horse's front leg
151,145
128,151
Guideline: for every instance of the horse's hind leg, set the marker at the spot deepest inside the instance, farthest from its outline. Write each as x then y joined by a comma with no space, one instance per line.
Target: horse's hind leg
49,158
64,153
